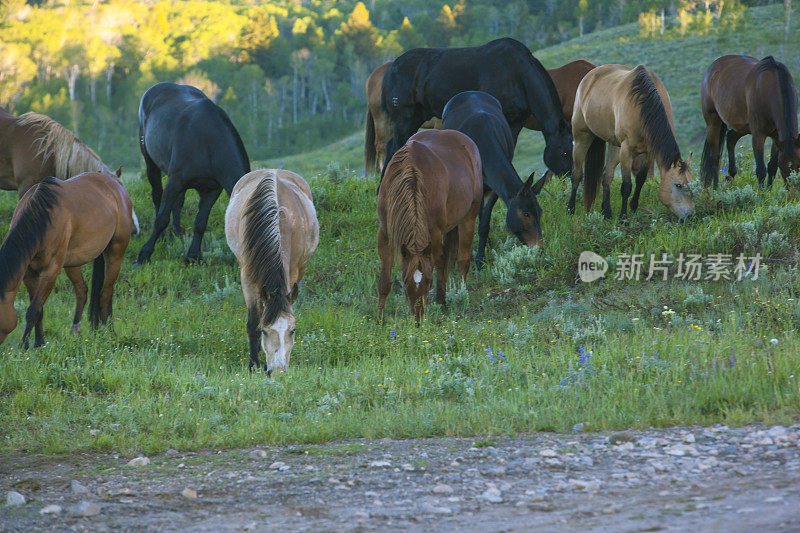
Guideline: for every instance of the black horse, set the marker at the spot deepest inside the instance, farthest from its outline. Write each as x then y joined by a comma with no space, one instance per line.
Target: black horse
420,82
480,116
191,139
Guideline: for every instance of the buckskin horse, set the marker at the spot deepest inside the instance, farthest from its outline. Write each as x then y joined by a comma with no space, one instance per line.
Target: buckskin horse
479,116
420,82
427,208
630,110
741,95
271,227
192,140
64,224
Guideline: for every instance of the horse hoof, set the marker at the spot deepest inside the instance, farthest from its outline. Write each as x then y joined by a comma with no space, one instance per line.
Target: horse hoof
75,330
194,260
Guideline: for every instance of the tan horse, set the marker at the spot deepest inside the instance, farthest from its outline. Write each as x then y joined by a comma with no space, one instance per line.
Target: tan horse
64,224
271,227
34,146
629,109
427,205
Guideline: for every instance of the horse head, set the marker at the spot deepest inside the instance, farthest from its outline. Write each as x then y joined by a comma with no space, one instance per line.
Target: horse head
417,276
674,191
277,339
789,158
558,150
524,217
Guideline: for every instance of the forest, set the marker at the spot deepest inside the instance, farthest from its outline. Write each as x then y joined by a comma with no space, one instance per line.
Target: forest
289,72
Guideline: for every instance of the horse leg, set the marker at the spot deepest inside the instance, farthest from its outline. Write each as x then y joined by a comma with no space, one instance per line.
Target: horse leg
583,140
162,219
154,177
712,150
612,160
439,245
385,276
113,256
626,160
641,177
79,285
732,138
41,285
176,214
207,199
466,232
489,199
758,155
772,166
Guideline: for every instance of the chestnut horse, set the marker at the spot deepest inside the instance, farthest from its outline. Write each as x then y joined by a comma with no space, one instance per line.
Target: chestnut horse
64,224
630,110
427,205
741,95
271,227
379,126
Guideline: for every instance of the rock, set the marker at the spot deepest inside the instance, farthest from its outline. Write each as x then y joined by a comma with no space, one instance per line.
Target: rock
496,471
688,438
380,464
14,498
84,509
621,437
578,428
189,494
361,515
78,488
679,450
428,508
582,484
277,465
258,454
50,509
139,461
172,452
548,452
442,489
492,495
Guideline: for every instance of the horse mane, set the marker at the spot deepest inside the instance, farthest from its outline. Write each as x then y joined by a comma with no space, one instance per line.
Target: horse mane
789,102
263,260
70,155
407,220
26,235
654,119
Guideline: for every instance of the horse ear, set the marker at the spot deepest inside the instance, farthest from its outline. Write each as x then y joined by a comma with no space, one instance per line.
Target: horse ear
537,188
119,172
689,160
526,187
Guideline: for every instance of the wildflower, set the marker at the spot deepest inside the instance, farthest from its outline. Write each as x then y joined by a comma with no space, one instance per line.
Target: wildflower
583,355
392,335
489,354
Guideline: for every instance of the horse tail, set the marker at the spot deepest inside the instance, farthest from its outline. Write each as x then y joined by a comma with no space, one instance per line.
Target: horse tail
261,248
407,220
370,154
98,280
593,169
789,98
708,168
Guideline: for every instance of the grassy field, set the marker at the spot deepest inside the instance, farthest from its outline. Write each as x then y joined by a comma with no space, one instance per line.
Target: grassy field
525,346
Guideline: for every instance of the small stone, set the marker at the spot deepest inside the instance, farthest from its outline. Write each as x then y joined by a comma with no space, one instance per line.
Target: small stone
189,494
380,464
172,452
139,461
78,488
14,498
442,489
278,465
258,454
427,508
492,495
548,452
688,438
582,484
578,428
84,509
50,509
361,515
621,437
94,432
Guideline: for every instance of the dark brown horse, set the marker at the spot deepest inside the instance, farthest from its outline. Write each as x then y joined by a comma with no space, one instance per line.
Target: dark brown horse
64,224
743,96
427,205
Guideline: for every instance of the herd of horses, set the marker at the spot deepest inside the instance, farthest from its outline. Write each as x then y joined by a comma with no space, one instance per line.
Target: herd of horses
434,184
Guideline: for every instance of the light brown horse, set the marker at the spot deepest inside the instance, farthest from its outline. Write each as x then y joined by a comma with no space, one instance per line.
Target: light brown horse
427,205
741,95
631,111
271,227
64,224
34,146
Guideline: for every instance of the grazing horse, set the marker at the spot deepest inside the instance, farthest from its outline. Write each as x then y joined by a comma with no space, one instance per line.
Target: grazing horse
379,126
271,227
192,140
427,208
34,146
631,111
419,83
479,116
741,95
64,224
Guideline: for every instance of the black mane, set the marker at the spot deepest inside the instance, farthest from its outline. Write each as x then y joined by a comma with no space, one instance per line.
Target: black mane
654,118
26,235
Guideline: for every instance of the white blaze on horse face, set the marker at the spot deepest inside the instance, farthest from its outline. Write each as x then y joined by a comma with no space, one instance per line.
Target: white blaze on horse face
417,277
277,340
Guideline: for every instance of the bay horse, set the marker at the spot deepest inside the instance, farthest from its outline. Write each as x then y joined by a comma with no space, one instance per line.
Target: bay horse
64,224
420,82
34,146
192,140
743,96
629,109
271,227
427,208
480,117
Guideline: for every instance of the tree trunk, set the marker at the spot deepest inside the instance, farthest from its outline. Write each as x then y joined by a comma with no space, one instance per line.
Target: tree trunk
663,17
109,76
72,77
787,8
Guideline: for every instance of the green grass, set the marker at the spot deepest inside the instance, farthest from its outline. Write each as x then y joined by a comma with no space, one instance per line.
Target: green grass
172,371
